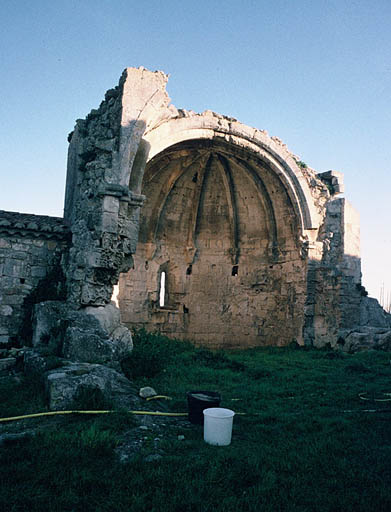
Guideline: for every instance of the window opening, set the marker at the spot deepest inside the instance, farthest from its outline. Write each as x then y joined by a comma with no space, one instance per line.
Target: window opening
115,294
162,289
235,270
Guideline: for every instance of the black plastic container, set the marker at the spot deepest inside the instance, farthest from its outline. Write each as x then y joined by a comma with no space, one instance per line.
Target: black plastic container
200,400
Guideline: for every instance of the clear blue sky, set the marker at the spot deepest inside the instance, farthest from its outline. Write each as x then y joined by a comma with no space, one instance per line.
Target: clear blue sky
316,73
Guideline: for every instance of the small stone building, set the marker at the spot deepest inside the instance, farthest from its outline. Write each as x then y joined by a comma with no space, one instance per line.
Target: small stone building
214,231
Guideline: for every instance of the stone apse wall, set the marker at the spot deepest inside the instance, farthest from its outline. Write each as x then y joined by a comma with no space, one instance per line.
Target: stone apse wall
255,247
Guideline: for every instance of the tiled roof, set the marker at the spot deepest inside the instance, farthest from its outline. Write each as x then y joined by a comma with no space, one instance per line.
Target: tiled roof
27,224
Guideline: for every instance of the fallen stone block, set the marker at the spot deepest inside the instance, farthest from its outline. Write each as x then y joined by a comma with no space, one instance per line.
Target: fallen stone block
95,335
36,364
384,341
91,335
91,347
74,383
359,341
372,314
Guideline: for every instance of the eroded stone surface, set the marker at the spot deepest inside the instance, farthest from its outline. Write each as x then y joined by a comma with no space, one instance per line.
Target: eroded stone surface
365,338
372,314
93,335
48,319
70,385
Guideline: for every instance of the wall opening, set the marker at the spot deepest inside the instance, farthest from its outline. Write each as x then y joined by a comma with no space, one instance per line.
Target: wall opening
162,291
115,294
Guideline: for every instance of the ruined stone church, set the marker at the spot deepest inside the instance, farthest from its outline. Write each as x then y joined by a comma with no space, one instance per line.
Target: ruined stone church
213,231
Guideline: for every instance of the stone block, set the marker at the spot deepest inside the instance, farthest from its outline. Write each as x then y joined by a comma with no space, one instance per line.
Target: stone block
384,341
7,364
5,244
372,314
6,310
111,204
85,346
47,317
22,247
108,316
105,145
96,294
13,268
52,245
358,342
38,243
96,335
67,384
14,300
93,259
35,364
38,272
109,222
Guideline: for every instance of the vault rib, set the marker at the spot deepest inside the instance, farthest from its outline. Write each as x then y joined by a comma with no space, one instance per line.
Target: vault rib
226,174
198,200
191,246
161,201
267,202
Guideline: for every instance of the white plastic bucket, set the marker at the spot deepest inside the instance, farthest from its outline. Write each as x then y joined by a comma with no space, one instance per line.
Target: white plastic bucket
218,426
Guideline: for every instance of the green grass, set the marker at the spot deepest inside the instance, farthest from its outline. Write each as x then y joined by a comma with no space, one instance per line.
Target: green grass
295,449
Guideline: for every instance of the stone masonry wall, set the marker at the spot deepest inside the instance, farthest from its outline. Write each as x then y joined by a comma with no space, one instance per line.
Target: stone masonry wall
101,210
31,248
334,276
92,202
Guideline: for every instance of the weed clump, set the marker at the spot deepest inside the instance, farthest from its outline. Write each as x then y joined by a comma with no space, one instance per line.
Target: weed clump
217,360
152,353
89,398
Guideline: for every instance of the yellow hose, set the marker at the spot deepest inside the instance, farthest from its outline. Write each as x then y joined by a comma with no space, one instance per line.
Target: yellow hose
150,413
364,397
54,413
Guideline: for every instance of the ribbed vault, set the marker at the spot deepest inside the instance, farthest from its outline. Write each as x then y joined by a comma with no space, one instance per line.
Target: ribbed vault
223,229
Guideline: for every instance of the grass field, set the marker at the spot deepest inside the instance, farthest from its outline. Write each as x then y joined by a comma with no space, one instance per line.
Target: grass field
305,443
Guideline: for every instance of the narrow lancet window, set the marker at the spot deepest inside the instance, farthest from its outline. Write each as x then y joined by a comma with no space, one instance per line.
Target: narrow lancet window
162,289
